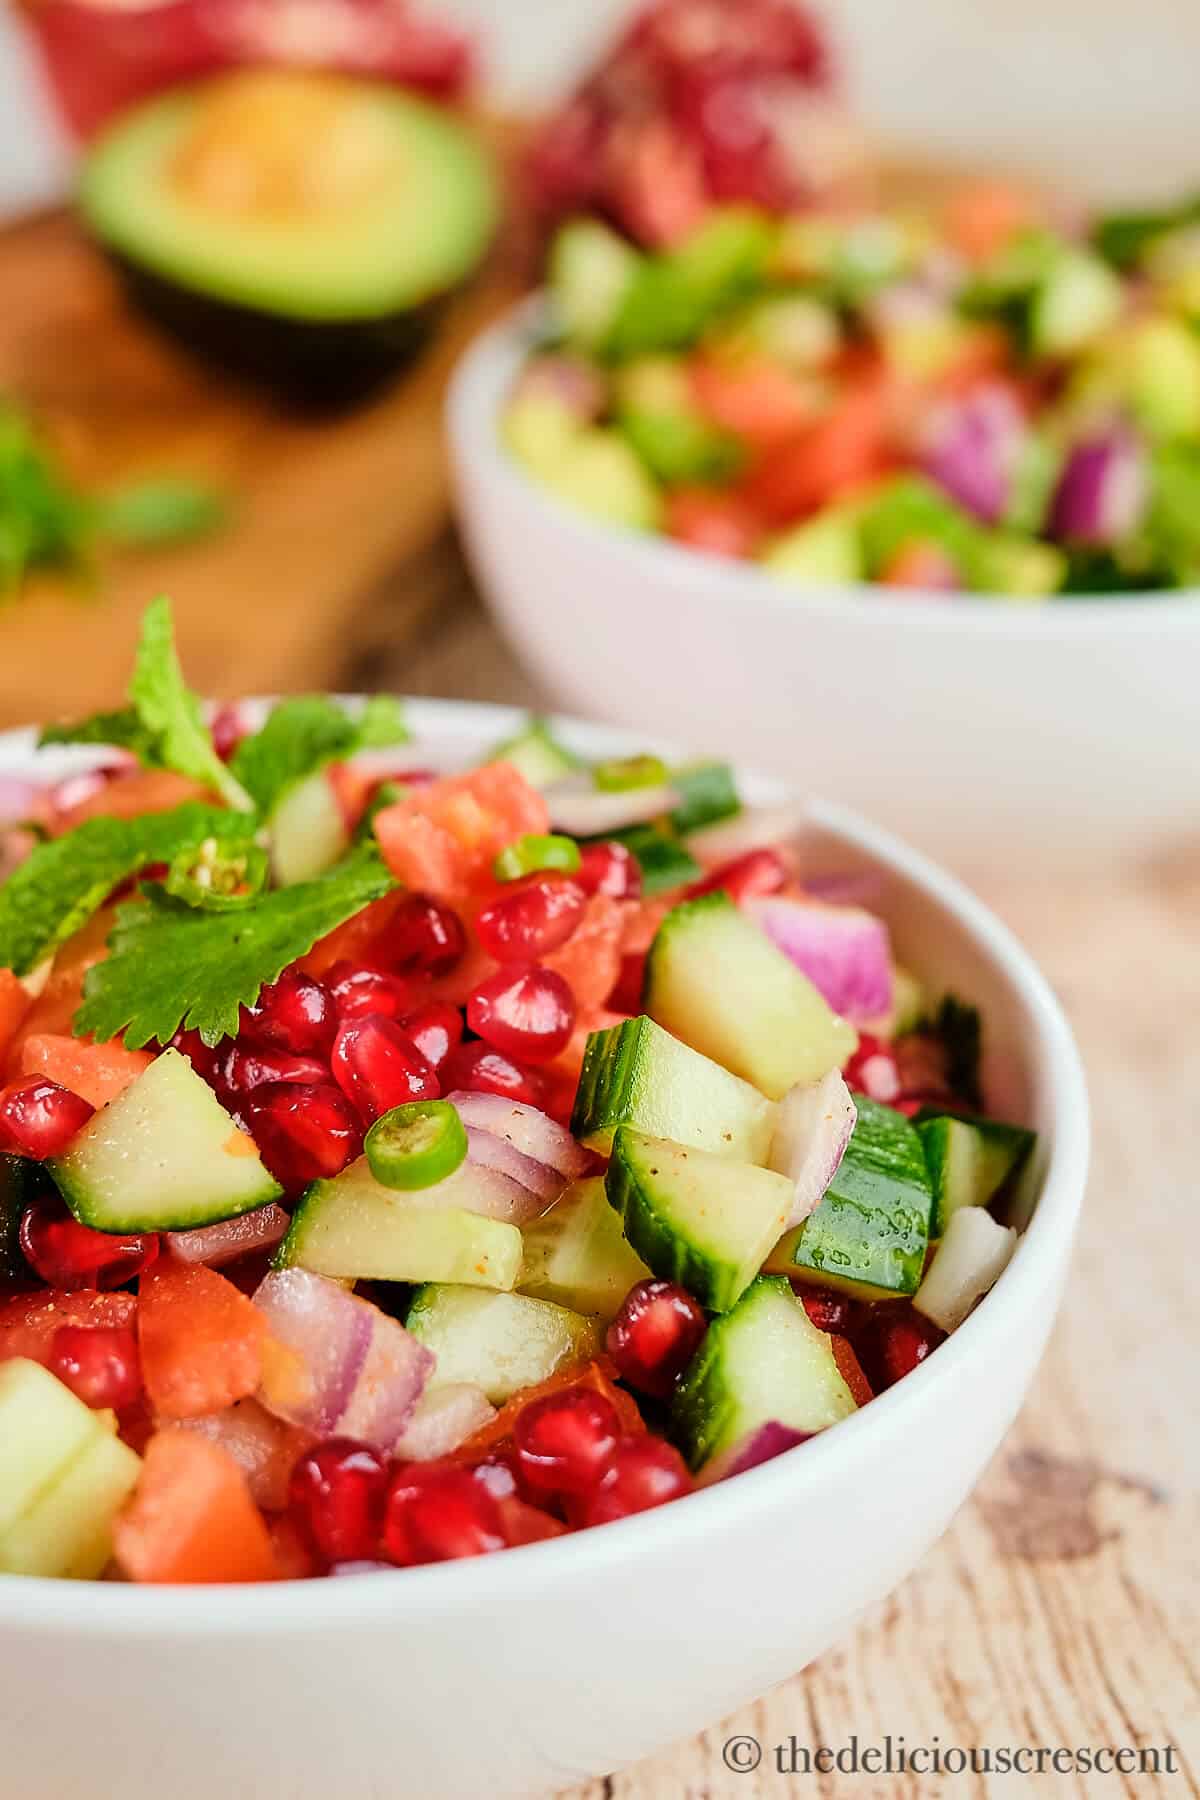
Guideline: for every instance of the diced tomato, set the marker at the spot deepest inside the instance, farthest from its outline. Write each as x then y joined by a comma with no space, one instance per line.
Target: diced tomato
755,397
717,520
597,1374
28,1322
567,1064
830,459
129,796
97,1072
55,1007
201,1340
443,839
294,1558
850,1370
264,1448
352,942
981,218
14,1004
590,961
191,1518
525,1524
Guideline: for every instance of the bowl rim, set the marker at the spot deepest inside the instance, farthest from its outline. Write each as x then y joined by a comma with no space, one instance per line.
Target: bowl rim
481,380
105,1610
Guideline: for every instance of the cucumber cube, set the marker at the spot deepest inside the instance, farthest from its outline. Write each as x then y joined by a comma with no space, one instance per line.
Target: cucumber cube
43,1428
969,1161
500,1342
68,1530
578,1256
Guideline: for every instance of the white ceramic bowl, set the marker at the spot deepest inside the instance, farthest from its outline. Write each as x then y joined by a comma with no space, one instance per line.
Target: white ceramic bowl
980,728
539,1667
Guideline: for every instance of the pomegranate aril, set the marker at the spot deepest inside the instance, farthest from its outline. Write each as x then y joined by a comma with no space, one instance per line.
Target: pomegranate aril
336,1496
438,1512
756,873
39,1118
358,990
99,1363
645,1471
305,1133
227,730
524,1011
626,996
873,1071
436,1029
892,1344
531,918
655,1335
565,1441
378,1067
610,868
497,1473
422,937
828,1312
477,1068
243,1068
67,1255
295,1013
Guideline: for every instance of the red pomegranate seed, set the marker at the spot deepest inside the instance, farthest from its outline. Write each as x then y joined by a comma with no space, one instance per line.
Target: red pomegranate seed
377,1067
525,1011
305,1133
531,918
872,1071
525,1524
565,1442
611,869
99,1363
757,872
39,1118
242,1069
336,1496
828,1312
479,1069
227,730
357,990
204,1060
626,996
644,1472
295,1013
497,1473
435,1028
437,1512
892,1345
68,1255
655,1335
422,937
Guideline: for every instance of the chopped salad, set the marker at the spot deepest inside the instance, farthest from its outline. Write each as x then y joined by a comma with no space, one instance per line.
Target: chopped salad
397,1166
975,397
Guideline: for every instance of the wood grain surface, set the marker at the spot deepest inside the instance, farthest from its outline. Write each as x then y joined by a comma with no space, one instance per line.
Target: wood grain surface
1063,1606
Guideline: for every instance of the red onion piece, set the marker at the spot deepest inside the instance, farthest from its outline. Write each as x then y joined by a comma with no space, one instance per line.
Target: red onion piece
223,1243
758,1446
478,1187
845,952
581,809
263,1447
858,887
445,1418
533,1133
1102,491
486,1151
812,1128
329,1333
972,447
353,1370
19,800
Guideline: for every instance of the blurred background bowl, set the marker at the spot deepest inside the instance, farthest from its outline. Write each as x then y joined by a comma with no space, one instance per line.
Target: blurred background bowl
985,730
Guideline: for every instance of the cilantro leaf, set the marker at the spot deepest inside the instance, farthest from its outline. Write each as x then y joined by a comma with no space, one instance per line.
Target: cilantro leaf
171,964
303,734
64,881
166,706
121,730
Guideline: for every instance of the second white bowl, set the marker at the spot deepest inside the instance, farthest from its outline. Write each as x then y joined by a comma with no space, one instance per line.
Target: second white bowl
982,729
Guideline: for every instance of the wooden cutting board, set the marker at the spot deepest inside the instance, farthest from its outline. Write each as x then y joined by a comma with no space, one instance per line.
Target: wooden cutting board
322,509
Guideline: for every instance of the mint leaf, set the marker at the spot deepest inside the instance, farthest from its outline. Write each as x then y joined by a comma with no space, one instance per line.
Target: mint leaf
167,707
303,734
158,512
121,730
171,964
63,882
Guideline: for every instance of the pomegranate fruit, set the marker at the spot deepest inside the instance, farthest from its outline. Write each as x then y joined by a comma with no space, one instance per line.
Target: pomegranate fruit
336,1496
378,1067
524,1011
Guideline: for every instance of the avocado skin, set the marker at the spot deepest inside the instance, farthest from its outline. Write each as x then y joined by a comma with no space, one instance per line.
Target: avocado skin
314,365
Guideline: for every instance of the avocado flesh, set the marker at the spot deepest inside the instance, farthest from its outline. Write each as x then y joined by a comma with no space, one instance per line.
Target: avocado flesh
300,229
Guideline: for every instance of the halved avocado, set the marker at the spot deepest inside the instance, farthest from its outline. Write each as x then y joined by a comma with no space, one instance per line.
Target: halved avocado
298,227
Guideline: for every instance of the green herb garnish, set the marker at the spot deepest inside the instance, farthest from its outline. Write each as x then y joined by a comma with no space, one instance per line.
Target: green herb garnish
303,734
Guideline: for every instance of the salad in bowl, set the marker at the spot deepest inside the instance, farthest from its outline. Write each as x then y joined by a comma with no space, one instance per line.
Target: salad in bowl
402,1165
974,396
